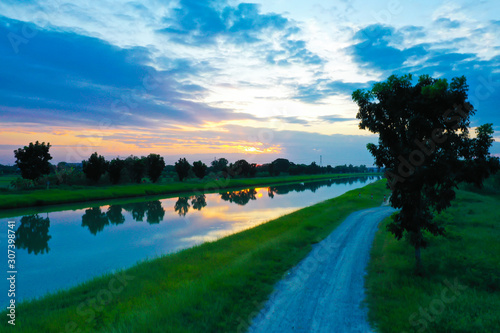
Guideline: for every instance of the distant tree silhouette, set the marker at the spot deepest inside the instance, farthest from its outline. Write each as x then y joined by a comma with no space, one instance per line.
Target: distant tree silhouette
279,165
33,234
33,160
155,165
252,170
424,145
219,165
182,168
136,168
199,169
114,169
241,168
95,167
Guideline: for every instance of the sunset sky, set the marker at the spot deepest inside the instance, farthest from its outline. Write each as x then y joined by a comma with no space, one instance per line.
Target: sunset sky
205,79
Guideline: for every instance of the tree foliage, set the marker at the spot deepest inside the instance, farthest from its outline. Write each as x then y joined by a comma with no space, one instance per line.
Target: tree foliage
136,168
219,165
115,169
182,168
199,169
33,160
424,144
154,165
95,167
278,166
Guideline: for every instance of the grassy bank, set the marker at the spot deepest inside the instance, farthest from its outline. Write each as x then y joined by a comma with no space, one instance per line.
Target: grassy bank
19,199
214,287
467,258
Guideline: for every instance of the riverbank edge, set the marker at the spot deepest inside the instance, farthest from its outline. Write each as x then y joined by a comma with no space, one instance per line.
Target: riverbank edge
37,198
214,287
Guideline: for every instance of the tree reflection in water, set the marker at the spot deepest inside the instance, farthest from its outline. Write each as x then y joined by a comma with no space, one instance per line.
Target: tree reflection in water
240,197
137,209
115,215
199,201
95,220
154,212
314,186
33,234
182,206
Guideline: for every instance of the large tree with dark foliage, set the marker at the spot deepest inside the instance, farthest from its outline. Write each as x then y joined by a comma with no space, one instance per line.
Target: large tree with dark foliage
136,167
115,170
219,165
33,160
95,167
425,146
155,165
199,169
182,168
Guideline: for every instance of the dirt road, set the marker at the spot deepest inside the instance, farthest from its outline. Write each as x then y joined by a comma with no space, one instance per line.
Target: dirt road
324,292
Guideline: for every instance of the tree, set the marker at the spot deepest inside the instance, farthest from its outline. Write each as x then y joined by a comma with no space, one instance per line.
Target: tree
95,167
33,160
219,165
182,168
155,165
199,169
241,168
424,145
136,167
280,165
115,169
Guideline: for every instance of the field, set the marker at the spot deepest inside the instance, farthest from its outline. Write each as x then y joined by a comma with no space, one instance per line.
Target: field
459,291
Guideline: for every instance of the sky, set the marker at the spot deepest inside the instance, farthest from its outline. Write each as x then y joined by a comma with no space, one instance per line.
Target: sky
210,79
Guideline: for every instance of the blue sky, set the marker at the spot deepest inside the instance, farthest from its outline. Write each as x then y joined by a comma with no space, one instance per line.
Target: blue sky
207,79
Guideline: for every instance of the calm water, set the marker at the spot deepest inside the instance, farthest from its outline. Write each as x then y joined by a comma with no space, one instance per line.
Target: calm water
61,249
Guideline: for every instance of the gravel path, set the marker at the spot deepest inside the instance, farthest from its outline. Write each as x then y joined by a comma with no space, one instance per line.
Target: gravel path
323,293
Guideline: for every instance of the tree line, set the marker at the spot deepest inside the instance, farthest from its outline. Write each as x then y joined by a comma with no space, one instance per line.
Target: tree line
33,163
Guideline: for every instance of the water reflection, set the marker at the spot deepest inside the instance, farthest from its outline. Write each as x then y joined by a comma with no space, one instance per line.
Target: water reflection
115,215
117,236
199,201
137,209
182,206
33,234
154,212
95,220
240,197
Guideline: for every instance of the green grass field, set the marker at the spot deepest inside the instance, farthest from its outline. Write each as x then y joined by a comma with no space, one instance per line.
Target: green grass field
19,199
214,287
467,259
5,181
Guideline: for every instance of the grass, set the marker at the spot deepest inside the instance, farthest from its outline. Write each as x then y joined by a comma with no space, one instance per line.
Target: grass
213,287
5,180
20,199
468,255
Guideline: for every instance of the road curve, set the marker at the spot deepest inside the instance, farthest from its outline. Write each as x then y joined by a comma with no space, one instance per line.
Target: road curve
323,293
